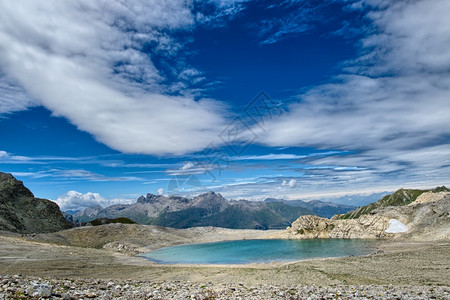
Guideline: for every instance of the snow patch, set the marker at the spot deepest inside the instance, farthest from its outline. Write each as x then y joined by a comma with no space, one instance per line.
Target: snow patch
395,226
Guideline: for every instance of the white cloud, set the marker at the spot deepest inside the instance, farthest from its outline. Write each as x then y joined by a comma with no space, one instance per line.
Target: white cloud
222,9
76,201
291,183
12,96
160,191
6,157
187,166
283,156
269,157
390,106
190,168
83,60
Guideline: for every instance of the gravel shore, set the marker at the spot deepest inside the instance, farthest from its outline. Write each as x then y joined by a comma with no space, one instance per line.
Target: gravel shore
17,286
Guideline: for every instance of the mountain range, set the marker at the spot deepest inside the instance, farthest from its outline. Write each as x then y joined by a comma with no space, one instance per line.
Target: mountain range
320,208
21,212
211,209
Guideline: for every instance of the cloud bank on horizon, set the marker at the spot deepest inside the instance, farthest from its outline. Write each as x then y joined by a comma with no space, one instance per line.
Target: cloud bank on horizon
119,71
75,201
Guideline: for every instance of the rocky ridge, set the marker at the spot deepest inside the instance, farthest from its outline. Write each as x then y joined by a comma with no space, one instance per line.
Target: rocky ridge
21,212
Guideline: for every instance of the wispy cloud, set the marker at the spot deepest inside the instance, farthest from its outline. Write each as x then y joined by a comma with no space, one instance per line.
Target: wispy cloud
9,158
285,156
6,157
73,174
288,18
192,168
389,107
215,13
269,157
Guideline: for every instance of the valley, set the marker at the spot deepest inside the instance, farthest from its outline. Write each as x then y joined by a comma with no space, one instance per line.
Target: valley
104,261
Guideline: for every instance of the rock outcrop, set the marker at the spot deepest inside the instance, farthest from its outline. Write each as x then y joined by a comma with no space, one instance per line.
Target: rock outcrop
429,197
426,219
367,226
21,212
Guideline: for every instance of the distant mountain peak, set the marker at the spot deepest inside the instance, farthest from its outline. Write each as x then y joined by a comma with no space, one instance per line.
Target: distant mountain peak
149,198
210,201
210,194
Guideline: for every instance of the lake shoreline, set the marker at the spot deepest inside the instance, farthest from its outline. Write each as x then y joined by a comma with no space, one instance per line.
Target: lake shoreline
386,246
260,251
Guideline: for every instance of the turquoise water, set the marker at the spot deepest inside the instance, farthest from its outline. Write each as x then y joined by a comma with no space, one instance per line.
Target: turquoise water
257,251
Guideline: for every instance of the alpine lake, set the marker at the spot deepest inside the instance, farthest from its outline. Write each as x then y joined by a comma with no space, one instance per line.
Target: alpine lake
261,251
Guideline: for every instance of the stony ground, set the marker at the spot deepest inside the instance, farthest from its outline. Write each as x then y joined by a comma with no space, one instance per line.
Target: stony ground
400,270
17,287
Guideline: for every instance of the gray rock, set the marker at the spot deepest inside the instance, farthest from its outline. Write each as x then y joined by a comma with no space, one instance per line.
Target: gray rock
40,290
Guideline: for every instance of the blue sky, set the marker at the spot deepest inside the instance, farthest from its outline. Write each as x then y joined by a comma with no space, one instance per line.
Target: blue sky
101,102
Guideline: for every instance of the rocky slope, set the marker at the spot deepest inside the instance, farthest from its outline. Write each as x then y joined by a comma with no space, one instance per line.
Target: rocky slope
399,198
21,212
427,218
209,209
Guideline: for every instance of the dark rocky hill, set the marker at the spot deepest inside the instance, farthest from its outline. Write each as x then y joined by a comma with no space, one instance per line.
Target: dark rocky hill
21,212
